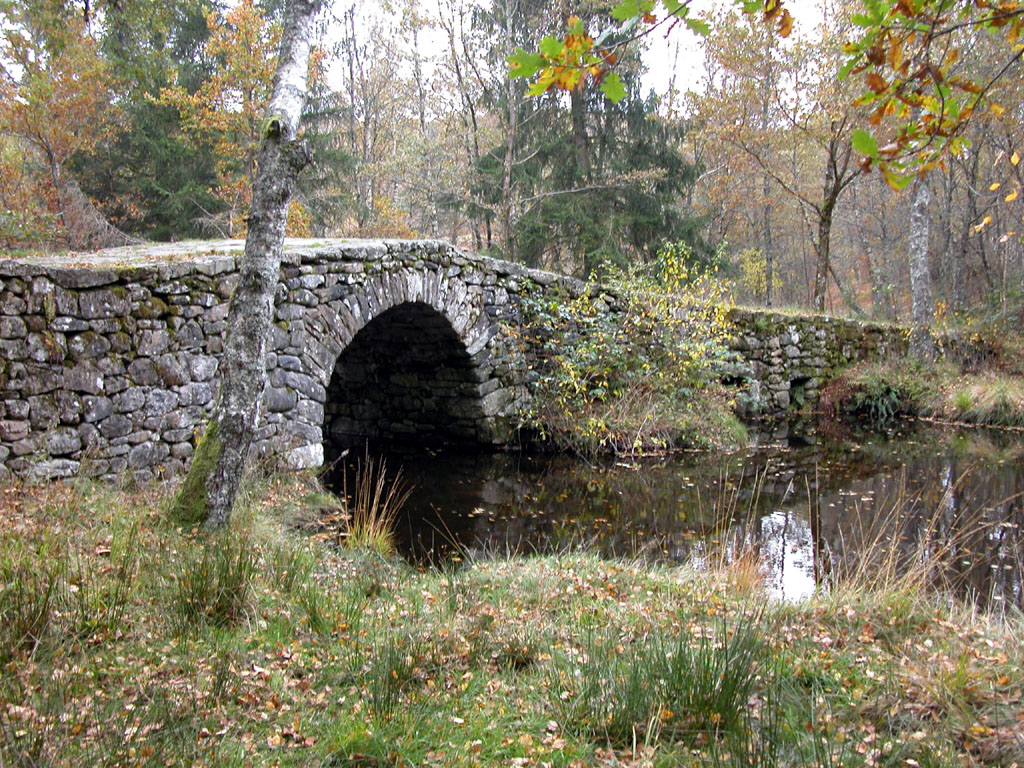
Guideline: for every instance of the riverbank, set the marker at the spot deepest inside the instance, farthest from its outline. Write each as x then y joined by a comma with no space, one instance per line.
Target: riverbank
128,642
879,392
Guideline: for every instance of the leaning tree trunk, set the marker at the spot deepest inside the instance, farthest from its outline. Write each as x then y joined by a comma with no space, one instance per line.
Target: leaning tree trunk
208,493
921,346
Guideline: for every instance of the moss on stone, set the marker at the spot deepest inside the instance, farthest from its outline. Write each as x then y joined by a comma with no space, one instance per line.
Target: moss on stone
191,504
50,307
152,308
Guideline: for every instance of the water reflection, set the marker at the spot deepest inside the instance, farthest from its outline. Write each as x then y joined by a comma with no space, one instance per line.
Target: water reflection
811,509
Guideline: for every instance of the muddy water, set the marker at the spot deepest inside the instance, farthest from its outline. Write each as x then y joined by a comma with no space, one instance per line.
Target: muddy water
812,508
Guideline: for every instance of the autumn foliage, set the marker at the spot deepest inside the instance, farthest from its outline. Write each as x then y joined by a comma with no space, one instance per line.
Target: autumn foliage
56,100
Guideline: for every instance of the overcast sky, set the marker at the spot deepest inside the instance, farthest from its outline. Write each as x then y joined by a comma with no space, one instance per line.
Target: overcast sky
681,51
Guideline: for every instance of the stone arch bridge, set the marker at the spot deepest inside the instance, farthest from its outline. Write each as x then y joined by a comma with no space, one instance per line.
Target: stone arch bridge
108,361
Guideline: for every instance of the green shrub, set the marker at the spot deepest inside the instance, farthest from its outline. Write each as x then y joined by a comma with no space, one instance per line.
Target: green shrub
627,365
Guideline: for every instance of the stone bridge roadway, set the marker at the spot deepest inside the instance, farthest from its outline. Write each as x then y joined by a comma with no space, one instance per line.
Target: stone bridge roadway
109,360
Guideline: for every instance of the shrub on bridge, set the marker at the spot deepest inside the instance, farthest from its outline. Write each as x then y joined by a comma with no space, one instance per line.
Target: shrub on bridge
628,365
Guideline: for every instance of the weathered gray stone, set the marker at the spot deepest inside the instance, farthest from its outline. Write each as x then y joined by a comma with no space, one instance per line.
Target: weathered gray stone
53,469
103,303
45,348
25,447
69,407
154,343
11,431
177,435
178,419
15,409
171,370
289,362
196,393
11,304
63,441
84,377
12,327
115,425
305,456
130,400
299,382
280,400
68,324
88,345
41,379
202,367
143,372
182,451
190,335
13,349
159,402
89,435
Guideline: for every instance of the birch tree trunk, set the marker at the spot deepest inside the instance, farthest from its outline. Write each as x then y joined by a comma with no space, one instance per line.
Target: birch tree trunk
208,493
921,346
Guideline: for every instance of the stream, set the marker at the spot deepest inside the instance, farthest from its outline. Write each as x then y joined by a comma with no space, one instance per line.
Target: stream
812,507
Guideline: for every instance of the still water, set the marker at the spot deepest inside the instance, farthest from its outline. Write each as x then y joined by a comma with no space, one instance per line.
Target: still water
812,508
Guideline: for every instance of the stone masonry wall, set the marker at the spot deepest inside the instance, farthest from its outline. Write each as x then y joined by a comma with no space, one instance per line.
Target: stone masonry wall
789,357
109,361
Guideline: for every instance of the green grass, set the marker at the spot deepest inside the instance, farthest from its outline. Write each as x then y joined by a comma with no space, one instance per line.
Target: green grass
876,394
128,641
995,400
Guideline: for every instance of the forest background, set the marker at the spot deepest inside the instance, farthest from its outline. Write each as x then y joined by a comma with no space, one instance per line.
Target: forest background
125,121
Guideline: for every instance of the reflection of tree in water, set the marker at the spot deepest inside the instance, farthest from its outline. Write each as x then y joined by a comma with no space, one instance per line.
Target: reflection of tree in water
814,512
954,517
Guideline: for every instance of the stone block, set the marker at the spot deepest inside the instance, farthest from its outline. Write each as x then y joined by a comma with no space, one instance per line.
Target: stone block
11,430
69,407
305,456
202,367
10,304
159,402
89,435
182,451
196,393
12,327
103,303
87,345
279,399
115,425
153,343
84,377
130,400
41,379
53,469
171,370
143,372
63,441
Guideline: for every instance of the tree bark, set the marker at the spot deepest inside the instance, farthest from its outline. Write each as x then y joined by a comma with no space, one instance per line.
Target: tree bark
208,493
921,346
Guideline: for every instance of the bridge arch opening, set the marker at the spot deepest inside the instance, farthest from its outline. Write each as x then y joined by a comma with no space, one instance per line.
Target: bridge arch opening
405,378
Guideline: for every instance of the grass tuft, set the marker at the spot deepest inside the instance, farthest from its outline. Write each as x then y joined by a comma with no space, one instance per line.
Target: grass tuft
691,686
373,506
214,581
